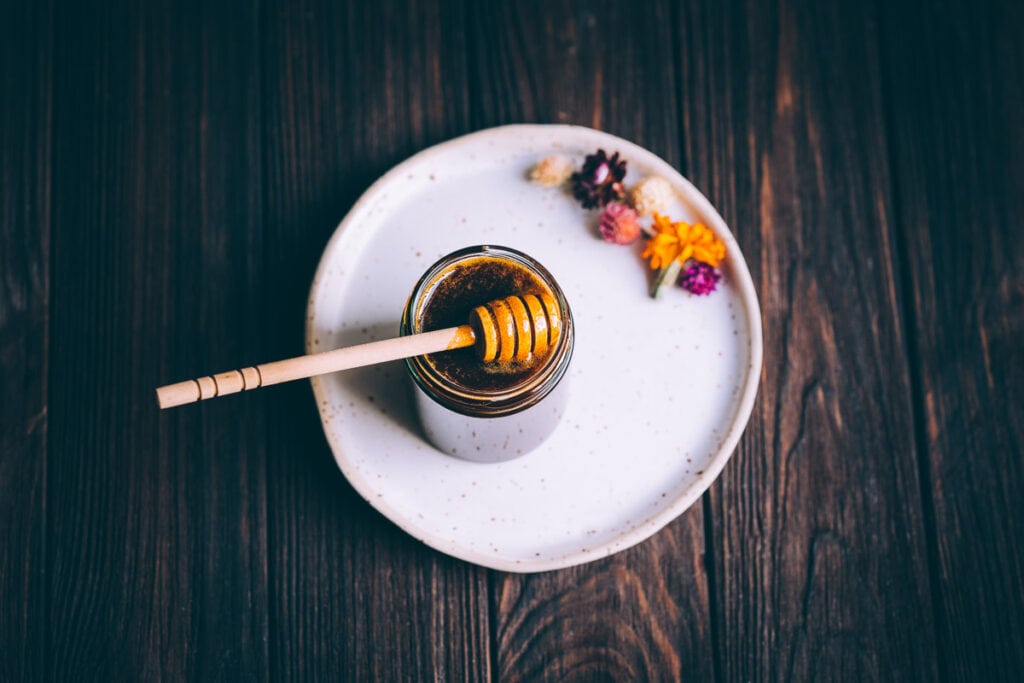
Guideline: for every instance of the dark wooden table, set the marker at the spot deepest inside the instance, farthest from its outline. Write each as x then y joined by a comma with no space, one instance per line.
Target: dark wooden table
172,171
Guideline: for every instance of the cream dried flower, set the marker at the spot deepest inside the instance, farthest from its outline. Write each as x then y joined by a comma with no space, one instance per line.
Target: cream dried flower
552,171
652,195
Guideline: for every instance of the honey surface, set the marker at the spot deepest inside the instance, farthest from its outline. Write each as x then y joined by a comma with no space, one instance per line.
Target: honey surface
447,303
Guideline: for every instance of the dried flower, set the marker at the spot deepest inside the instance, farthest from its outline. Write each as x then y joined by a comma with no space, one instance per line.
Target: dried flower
682,241
552,171
652,195
699,278
600,180
619,224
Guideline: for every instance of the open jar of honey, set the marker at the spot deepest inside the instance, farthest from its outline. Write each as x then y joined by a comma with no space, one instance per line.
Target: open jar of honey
488,411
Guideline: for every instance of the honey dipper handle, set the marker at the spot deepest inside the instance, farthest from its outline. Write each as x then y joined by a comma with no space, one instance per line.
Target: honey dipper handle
280,371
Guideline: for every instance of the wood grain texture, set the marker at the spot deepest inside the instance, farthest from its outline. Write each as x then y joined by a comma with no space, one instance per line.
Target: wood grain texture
157,548
350,90
25,172
644,614
170,174
820,562
955,84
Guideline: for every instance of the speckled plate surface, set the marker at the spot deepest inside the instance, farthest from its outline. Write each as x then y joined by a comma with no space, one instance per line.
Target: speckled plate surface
660,390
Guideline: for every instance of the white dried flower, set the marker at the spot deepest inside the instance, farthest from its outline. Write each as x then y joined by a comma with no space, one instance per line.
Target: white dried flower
652,195
552,171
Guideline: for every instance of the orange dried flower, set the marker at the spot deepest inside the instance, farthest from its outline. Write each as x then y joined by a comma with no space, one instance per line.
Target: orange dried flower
682,241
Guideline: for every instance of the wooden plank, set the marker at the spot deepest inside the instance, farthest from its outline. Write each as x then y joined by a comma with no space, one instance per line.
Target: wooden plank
955,82
157,548
26,79
820,558
350,91
643,614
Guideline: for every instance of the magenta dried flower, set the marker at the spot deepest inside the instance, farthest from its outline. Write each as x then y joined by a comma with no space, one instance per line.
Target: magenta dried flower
699,278
619,224
600,180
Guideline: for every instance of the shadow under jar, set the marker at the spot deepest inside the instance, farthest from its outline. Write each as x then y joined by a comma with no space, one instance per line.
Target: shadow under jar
485,411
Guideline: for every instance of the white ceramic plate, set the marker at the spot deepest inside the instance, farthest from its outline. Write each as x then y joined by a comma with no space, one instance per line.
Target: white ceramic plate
660,389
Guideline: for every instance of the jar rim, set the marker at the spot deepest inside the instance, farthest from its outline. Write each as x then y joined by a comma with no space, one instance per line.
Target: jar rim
488,402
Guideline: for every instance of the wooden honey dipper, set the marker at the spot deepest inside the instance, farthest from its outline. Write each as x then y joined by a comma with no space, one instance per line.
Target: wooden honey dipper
507,329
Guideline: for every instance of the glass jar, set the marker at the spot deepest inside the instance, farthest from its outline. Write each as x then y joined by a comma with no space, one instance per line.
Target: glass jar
486,412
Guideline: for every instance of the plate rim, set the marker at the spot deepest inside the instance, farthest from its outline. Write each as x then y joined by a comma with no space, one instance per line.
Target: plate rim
743,284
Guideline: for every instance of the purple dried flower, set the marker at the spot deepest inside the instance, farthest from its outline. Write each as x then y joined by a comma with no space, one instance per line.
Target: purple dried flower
619,224
600,180
699,278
